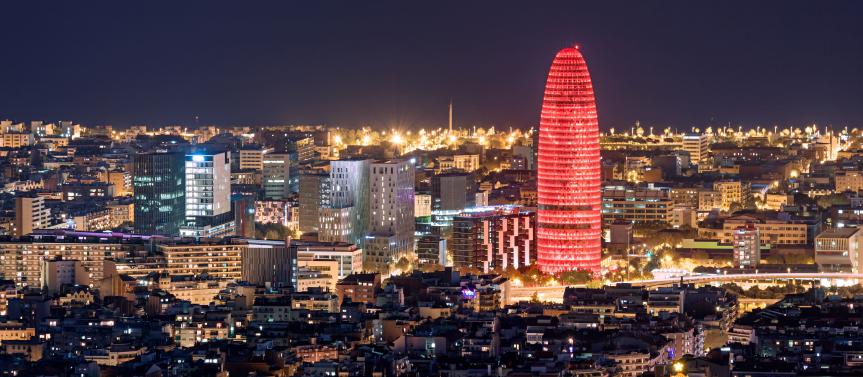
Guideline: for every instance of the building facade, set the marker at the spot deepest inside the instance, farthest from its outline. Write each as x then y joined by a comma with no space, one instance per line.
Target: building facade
314,195
569,220
746,246
347,216
391,225
208,195
159,183
276,169
494,239
30,214
838,250
637,204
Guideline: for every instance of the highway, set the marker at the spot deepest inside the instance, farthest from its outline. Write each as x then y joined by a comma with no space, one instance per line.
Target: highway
554,293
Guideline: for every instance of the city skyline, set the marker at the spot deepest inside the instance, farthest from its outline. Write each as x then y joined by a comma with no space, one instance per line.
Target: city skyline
662,64
513,204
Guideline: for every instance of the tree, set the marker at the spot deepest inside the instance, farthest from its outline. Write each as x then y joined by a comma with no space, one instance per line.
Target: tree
272,231
749,202
576,277
735,207
700,256
403,264
831,200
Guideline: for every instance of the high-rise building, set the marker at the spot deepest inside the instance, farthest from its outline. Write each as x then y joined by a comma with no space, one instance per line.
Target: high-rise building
494,238
391,215
276,175
697,145
314,195
31,214
452,191
159,183
208,195
346,218
569,222
244,208
252,157
746,246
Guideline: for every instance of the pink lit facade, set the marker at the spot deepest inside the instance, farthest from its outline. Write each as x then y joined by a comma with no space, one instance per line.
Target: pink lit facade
569,196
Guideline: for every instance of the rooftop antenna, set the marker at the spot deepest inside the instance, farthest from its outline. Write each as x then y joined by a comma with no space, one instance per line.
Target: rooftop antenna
450,116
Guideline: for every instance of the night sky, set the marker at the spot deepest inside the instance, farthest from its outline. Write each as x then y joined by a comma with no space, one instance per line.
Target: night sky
397,64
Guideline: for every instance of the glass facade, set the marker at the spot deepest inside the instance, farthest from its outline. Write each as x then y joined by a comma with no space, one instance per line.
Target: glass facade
160,197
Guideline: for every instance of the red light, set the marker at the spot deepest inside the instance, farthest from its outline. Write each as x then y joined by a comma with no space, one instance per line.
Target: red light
569,222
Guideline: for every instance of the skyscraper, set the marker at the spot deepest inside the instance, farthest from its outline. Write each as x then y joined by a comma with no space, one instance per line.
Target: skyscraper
208,195
346,217
276,176
314,195
391,225
569,225
159,183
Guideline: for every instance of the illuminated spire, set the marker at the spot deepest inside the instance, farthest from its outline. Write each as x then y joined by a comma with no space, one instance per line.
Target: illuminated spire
450,117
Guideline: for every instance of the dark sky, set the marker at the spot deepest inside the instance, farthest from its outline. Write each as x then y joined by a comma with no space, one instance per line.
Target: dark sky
397,64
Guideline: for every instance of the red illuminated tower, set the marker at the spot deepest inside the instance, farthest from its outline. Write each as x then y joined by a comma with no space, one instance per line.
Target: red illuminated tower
569,223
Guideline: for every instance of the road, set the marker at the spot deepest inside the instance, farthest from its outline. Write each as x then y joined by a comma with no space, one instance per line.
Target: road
554,293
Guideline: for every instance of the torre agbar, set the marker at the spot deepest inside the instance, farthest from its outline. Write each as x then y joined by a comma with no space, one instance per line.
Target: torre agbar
569,223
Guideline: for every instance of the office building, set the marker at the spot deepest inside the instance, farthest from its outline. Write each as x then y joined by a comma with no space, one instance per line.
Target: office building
208,195
452,191
698,145
391,215
276,169
314,195
252,157
346,218
568,185
159,183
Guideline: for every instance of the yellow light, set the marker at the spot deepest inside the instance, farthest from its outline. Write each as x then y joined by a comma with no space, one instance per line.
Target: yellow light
396,139
678,367
337,139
